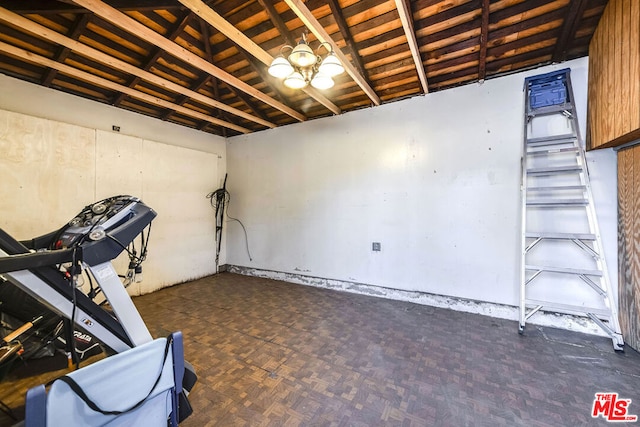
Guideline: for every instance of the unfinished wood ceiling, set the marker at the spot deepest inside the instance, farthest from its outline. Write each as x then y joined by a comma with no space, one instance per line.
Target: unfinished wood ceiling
203,64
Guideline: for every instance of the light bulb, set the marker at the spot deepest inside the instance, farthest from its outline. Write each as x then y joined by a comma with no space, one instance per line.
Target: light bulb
280,67
295,81
322,81
302,55
331,65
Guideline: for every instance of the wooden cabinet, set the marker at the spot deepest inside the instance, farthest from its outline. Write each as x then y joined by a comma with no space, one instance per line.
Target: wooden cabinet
614,77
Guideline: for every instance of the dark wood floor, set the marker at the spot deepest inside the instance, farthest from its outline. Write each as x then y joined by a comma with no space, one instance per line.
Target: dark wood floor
270,353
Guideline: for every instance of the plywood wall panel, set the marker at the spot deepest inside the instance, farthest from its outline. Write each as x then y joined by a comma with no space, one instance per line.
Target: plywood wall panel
629,254
47,173
614,76
118,165
50,170
176,183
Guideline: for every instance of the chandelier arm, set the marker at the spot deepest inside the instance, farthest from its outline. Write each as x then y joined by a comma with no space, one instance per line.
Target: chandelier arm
329,49
286,46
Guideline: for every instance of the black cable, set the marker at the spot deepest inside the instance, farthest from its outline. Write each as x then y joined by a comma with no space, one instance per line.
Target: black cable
223,196
132,255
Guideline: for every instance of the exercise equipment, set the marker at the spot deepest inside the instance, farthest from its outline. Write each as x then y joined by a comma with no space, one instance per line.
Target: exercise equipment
47,268
94,237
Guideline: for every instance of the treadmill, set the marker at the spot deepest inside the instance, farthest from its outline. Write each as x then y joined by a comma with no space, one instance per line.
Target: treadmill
46,268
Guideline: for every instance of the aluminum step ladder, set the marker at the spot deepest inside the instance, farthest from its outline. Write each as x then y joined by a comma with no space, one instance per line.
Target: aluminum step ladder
559,225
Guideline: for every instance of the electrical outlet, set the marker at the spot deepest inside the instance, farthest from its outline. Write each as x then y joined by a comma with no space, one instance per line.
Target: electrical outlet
375,246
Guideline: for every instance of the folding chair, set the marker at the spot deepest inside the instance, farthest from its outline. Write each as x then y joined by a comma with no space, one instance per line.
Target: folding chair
140,386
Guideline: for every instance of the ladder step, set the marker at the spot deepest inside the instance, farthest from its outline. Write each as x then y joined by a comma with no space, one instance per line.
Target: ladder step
552,151
566,270
560,236
551,109
557,203
558,188
553,170
567,308
551,138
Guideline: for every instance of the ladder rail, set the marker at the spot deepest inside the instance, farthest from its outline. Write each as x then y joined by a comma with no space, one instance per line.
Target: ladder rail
592,218
524,248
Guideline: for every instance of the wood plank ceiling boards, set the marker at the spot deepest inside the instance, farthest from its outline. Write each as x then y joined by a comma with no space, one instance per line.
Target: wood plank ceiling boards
202,64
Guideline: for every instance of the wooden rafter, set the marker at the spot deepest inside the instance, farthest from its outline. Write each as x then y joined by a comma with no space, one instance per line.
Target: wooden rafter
63,52
406,17
459,41
157,52
569,27
45,7
348,38
226,28
277,21
216,93
203,80
484,41
96,55
301,10
206,35
31,57
182,99
134,27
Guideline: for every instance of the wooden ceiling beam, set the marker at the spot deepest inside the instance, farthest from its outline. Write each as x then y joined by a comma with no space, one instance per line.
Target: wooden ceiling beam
245,99
569,28
484,40
216,93
348,38
206,36
98,56
235,35
134,27
63,52
406,17
31,57
305,15
182,99
49,7
277,21
175,32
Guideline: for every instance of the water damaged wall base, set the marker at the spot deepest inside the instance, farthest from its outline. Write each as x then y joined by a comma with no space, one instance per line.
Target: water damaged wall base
501,311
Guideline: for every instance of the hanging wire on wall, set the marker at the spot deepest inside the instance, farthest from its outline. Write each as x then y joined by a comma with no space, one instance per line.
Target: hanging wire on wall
219,200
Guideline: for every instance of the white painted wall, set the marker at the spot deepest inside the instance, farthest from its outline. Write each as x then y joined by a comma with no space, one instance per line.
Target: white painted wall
56,160
435,179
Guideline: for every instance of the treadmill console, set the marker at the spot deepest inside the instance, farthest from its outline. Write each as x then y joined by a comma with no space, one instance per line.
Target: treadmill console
103,229
95,220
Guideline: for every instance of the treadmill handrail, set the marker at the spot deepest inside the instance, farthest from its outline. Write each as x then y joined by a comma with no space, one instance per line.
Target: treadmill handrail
38,259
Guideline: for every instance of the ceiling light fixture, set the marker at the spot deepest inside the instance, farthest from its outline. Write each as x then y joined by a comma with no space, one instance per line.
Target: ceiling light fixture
304,66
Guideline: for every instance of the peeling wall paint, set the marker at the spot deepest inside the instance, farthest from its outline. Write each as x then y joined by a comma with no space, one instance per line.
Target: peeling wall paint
500,311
